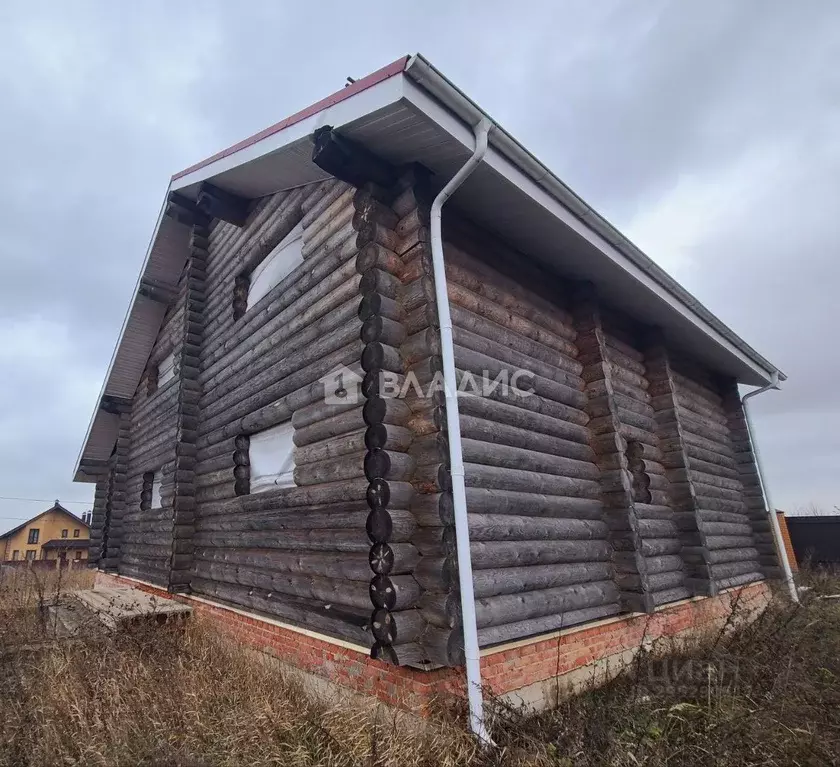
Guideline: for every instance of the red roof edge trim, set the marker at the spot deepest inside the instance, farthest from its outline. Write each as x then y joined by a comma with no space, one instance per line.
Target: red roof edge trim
351,90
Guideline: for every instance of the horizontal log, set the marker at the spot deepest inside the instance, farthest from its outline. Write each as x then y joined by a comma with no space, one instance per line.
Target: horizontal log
353,567
498,502
331,448
407,654
398,592
740,580
495,478
327,591
505,292
504,527
522,417
343,622
479,364
401,523
488,430
317,341
376,305
511,608
503,456
340,468
515,580
388,437
303,376
493,635
386,410
507,329
396,627
393,558
344,540
701,477
379,281
726,528
491,554
517,352
349,421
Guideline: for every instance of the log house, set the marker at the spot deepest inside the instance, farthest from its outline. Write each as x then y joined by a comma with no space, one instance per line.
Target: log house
625,481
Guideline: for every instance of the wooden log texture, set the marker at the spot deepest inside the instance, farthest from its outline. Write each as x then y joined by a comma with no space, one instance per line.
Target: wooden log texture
623,473
148,445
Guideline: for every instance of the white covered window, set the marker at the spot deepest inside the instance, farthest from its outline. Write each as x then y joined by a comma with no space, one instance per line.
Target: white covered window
157,482
276,265
271,454
166,369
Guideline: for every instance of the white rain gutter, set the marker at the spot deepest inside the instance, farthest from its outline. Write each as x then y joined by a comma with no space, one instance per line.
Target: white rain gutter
771,510
453,429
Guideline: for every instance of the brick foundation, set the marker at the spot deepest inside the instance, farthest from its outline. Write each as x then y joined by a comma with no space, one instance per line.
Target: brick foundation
527,671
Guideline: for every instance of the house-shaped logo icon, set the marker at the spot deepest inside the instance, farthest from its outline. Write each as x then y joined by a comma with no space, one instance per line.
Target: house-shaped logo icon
342,386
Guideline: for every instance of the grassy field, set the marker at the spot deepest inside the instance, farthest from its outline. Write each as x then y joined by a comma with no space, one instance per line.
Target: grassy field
766,694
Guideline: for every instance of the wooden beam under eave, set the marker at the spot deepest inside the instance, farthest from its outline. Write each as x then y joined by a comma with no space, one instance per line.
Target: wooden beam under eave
113,404
157,291
184,210
218,203
350,161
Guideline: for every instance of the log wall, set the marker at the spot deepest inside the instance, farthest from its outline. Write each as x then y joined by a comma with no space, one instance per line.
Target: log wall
621,481
540,542
150,437
300,554
657,540
711,480
98,525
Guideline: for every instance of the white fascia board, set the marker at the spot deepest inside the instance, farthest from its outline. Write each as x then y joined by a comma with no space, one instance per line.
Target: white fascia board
371,99
134,297
508,170
365,102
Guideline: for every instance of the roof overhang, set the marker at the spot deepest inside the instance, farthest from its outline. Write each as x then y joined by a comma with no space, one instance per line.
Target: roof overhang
409,112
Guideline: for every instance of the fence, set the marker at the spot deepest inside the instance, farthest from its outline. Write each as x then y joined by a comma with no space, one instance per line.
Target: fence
816,539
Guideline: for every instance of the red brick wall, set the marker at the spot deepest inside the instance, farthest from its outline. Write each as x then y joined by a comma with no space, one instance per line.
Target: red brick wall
505,669
780,515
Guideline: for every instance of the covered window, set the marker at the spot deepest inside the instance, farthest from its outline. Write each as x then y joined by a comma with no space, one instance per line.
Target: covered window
34,535
276,265
76,532
271,455
64,533
166,369
157,483
30,554
150,492
15,555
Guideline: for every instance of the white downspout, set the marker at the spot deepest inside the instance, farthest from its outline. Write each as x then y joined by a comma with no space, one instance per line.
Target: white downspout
771,511
453,428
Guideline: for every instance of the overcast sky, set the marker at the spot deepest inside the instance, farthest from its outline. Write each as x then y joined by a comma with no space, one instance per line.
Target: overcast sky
709,132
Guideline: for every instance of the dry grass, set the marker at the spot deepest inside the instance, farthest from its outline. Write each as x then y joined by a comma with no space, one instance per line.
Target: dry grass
765,693
185,696
26,593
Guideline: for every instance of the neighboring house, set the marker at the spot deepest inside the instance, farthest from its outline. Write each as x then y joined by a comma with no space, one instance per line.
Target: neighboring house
236,458
52,534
